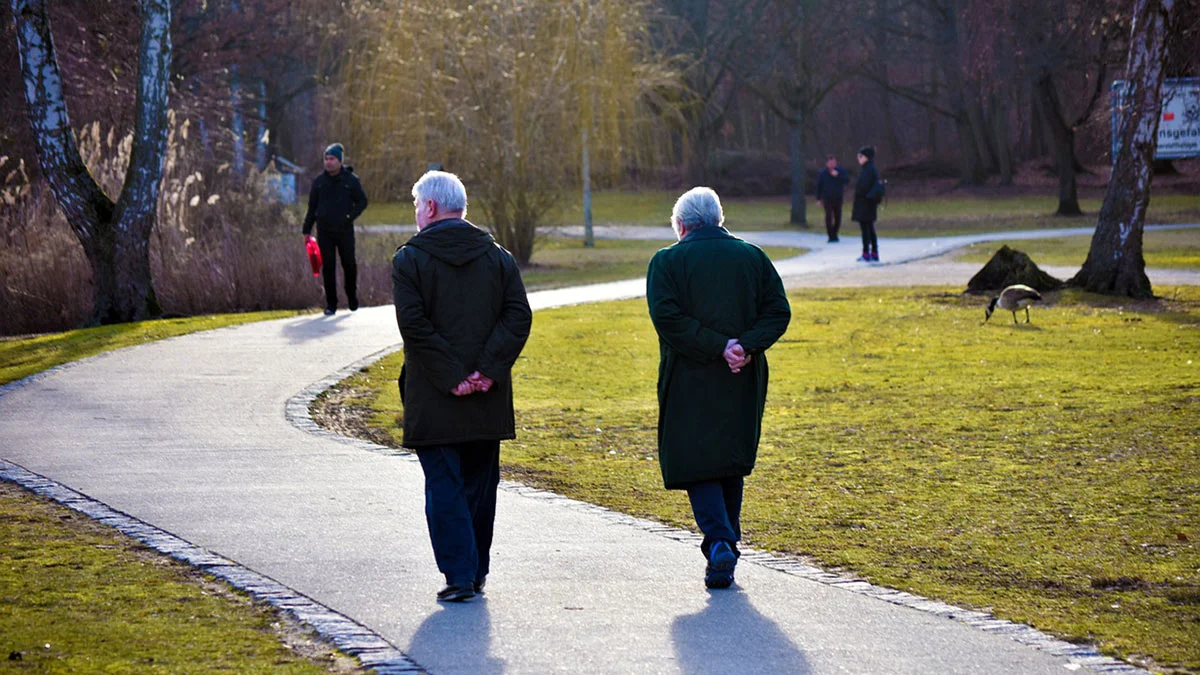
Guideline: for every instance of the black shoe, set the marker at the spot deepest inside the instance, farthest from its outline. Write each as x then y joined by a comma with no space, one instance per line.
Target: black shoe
452,593
835,240
329,311
354,305
721,561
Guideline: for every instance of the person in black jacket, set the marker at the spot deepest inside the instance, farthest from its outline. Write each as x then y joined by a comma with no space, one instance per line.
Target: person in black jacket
868,192
464,317
831,185
334,201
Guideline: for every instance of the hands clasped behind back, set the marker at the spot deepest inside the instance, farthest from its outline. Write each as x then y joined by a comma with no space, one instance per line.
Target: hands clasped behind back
735,355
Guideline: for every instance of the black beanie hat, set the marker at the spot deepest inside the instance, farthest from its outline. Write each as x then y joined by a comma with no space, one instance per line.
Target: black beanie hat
867,151
335,150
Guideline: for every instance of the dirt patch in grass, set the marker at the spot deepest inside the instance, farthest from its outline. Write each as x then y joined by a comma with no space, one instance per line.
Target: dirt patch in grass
76,596
1044,472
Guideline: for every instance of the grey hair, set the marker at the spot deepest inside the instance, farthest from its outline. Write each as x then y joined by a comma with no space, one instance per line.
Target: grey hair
443,188
698,207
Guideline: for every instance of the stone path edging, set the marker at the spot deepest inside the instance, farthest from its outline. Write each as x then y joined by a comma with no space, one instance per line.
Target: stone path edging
348,636
1079,656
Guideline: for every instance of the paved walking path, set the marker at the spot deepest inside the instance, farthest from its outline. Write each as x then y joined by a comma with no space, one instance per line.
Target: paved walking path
205,437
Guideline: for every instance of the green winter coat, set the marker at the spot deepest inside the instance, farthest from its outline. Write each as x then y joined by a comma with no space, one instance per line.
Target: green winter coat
702,291
461,307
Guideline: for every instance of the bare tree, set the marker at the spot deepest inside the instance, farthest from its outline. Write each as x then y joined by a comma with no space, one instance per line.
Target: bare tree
1115,265
792,67
501,94
1060,46
115,235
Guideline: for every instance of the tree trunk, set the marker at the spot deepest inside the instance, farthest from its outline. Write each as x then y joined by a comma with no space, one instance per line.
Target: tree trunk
796,129
115,236
973,172
1115,265
1004,159
981,135
1062,139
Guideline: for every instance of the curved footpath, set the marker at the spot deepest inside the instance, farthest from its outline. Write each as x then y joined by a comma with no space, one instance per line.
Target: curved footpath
201,446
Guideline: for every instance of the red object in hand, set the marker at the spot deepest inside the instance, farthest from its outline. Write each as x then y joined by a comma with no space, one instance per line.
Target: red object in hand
314,255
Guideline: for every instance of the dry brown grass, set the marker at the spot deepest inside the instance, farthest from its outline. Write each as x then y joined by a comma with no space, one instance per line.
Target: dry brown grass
220,245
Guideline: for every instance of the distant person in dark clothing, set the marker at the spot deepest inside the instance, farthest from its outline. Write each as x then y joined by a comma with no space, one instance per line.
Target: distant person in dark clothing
335,200
831,184
464,318
868,192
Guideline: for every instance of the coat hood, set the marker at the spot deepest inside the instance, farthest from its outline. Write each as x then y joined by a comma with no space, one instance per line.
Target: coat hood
454,241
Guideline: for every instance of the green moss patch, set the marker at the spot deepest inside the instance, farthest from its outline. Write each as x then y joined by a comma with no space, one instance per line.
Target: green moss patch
1045,472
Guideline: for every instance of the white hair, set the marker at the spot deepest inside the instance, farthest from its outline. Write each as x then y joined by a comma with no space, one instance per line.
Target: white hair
698,207
443,188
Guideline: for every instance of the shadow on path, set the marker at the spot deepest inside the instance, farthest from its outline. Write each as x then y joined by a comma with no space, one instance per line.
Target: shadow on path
457,637
730,636
305,328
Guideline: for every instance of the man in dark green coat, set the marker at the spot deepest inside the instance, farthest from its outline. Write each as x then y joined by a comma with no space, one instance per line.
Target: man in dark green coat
717,304
464,317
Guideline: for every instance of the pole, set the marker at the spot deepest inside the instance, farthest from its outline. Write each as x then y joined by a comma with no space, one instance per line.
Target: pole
589,239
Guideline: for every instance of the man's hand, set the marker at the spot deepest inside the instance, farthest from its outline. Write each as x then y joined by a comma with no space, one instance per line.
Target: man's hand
820,202
480,381
475,382
735,355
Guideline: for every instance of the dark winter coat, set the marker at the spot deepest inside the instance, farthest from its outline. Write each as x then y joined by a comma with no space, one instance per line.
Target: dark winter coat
831,187
334,202
702,291
866,197
461,307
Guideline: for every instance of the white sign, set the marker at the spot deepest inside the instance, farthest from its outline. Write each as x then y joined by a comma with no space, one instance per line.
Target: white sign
1179,126
1178,122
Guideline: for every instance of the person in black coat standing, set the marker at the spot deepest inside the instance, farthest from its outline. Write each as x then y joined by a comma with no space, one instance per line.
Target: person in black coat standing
335,200
831,185
464,317
868,192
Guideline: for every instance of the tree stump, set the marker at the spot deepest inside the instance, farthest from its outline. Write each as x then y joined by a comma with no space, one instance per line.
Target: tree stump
1007,267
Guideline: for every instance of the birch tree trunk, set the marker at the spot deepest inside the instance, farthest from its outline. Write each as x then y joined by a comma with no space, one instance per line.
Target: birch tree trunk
1115,265
115,235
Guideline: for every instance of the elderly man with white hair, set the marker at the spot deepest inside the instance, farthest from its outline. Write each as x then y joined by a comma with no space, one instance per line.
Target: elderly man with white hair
464,318
717,304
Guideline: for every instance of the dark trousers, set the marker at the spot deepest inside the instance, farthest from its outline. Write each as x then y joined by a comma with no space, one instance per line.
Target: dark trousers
460,506
717,506
340,242
870,242
833,217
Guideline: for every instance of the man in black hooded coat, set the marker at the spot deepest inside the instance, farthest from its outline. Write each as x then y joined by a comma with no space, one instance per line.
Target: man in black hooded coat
464,317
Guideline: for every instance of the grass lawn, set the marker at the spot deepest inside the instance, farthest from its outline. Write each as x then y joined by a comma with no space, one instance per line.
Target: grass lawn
76,597
21,357
898,217
563,261
560,261
1178,249
1045,472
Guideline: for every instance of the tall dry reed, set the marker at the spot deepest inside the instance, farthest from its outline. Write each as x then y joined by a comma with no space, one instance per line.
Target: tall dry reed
221,244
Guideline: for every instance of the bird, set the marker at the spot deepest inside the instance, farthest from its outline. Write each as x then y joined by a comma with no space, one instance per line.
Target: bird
1013,298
